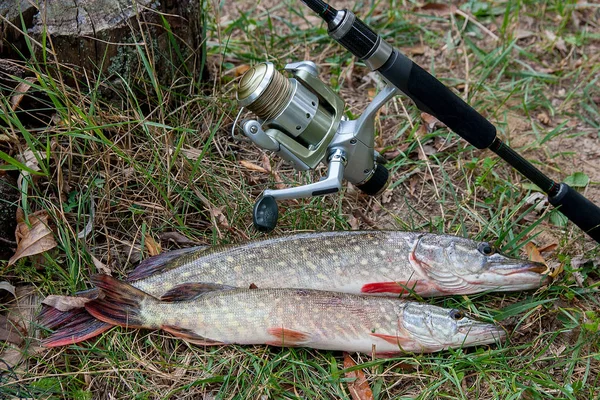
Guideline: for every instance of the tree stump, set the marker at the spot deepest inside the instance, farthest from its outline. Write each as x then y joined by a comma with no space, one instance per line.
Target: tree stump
9,196
106,36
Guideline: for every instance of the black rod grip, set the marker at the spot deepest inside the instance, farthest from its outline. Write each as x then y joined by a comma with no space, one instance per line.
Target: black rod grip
433,97
578,209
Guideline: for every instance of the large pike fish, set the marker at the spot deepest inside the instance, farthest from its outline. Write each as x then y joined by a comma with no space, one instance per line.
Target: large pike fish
291,317
361,262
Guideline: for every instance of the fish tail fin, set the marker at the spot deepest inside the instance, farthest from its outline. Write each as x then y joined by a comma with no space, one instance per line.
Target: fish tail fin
81,328
51,318
121,303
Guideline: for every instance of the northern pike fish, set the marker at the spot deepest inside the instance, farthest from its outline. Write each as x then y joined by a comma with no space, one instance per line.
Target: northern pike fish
361,262
218,315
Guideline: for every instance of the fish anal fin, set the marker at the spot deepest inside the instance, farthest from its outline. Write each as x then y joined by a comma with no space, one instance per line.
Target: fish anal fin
287,337
419,287
190,291
161,262
190,336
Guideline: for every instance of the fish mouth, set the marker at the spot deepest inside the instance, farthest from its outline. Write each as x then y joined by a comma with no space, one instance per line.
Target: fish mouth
534,269
520,275
482,333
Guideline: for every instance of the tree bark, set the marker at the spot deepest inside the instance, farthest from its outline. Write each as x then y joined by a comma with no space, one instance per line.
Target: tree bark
106,36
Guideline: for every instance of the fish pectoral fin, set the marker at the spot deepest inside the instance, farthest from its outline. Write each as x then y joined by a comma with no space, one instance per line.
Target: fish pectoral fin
400,287
190,291
287,337
190,336
394,339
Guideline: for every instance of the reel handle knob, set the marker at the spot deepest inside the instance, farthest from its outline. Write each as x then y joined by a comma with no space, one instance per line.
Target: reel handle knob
265,214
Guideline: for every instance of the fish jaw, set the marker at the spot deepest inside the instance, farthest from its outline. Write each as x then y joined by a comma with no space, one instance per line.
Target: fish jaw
505,277
479,333
431,328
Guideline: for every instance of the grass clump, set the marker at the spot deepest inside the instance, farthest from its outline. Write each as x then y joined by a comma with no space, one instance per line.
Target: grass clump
153,159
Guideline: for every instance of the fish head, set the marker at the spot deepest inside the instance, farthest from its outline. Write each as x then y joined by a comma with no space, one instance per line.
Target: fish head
431,328
455,265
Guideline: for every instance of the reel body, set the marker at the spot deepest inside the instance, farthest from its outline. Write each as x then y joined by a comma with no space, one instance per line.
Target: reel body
301,120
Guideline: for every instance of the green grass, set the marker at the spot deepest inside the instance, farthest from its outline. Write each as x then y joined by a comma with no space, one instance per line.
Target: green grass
126,145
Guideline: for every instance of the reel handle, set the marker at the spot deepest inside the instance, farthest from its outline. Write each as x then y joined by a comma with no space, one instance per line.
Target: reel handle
433,97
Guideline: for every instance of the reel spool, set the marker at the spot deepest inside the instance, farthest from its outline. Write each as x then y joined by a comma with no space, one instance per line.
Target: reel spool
301,120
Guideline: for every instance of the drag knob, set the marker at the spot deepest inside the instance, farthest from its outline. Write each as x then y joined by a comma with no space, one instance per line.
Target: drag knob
377,183
265,214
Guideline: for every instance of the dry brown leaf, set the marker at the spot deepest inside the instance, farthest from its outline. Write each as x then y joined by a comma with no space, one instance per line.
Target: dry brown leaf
438,9
218,215
522,34
533,253
65,303
9,332
353,222
17,321
191,153
371,93
8,287
177,238
415,50
266,162
20,91
34,239
151,245
431,122
359,388
548,248
12,356
253,167
387,196
101,267
544,118
241,69
558,42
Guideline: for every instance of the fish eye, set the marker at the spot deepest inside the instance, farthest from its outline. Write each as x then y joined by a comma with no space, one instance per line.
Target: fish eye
456,315
485,248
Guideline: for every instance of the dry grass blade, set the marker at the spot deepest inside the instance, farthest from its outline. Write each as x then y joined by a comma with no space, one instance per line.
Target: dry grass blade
20,92
253,167
35,238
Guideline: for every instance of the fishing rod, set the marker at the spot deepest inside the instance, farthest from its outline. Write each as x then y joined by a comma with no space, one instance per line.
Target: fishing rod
304,123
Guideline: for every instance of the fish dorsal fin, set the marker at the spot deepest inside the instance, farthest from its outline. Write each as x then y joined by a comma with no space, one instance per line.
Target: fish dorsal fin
190,291
161,262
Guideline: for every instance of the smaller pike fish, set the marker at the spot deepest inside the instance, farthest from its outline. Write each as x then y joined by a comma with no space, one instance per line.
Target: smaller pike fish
210,314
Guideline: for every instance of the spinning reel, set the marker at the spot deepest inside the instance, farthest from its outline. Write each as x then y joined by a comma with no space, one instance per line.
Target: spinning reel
301,120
